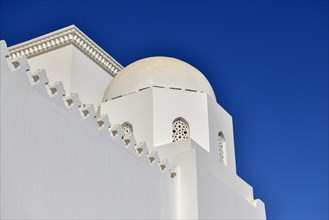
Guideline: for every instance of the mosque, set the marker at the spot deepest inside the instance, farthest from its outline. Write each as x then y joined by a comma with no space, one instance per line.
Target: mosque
83,137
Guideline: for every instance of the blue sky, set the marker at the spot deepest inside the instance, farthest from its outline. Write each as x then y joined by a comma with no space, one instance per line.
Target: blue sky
266,60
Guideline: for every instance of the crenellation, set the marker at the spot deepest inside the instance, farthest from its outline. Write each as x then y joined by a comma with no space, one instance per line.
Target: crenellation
153,157
129,140
85,111
57,93
141,148
72,100
165,166
39,81
18,63
116,131
104,126
173,172
53,89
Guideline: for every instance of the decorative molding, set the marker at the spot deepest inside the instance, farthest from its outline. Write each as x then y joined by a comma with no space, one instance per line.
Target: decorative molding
70,35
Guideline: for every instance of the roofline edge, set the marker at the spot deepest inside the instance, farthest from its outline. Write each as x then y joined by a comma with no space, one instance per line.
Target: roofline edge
70,35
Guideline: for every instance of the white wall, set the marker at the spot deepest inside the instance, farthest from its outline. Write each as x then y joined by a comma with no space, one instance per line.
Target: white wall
217,199
56,165
221,121
222,194
58,64
207,189
136,109
77,71
152,111
169,104
88,79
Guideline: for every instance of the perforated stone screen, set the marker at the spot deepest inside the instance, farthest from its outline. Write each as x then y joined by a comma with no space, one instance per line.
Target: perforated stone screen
180,130
127,128
221,147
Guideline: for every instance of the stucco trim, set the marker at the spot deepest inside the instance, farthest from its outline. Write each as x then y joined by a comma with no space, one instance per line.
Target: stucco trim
70,35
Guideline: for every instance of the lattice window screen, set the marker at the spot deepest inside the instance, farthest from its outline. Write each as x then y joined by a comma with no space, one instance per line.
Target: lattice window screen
221,147
127,128
180,130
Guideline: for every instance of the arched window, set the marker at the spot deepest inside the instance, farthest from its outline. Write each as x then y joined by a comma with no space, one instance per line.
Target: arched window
127,128
180,129
221,147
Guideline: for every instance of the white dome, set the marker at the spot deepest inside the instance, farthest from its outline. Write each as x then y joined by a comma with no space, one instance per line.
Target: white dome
157,71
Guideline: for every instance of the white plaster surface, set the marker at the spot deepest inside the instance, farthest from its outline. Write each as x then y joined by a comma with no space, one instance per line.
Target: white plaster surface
58,64
78,73
158,71
152,111
207,189
57,165
88,79
136,109
221,193
221,121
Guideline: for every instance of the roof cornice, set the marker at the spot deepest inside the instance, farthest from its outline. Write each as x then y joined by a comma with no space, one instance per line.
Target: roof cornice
70,35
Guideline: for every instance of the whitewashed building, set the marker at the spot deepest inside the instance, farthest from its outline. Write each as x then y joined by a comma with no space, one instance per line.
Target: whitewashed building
84,138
